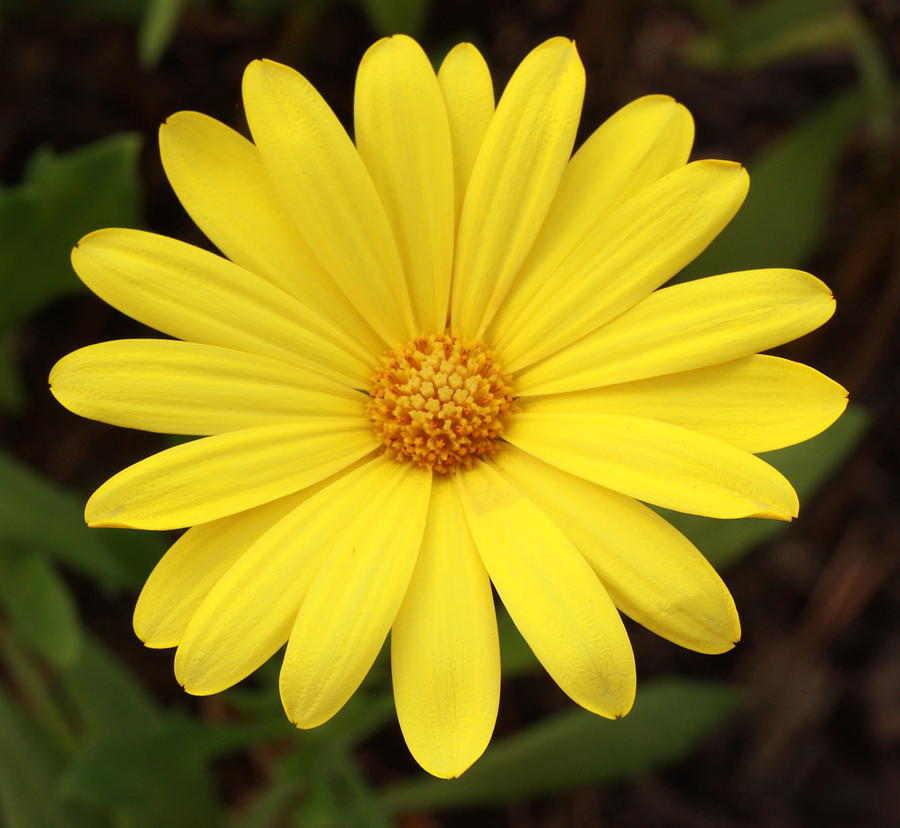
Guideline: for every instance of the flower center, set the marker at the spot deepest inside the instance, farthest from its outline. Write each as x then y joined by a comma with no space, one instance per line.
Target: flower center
439,403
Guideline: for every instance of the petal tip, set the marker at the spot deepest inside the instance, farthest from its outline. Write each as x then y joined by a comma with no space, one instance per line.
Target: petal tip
625,708
377,46
657,98
465,46
259,66
89,240
400,37
720,164
451,763
786,514
192,685
465,52
177,119
726,644
151,643
563,45
305,724
194,690
620,701
444,773
96,517
107,524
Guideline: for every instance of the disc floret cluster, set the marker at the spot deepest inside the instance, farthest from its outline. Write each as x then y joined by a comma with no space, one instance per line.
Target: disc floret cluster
440,403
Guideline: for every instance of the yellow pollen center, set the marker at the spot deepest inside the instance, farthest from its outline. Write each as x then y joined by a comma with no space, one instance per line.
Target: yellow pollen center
439,403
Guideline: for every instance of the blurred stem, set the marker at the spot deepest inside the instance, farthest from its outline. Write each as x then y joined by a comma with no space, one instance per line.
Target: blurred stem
34,689
242,736
355,791
715,13
875,81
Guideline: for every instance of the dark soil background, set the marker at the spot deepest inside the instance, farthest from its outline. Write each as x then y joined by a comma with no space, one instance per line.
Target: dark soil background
819,743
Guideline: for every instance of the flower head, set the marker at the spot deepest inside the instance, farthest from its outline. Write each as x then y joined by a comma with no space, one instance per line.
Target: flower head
433,360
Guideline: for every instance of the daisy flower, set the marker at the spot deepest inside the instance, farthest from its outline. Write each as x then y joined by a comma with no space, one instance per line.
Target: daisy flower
435,360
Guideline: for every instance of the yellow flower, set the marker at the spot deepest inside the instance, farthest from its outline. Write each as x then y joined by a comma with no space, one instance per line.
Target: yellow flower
455,293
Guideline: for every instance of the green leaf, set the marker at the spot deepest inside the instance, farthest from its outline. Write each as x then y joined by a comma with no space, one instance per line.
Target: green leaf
576,748
37,515
783,219
295,778
146,772
61,198
389,17
337,795
716,13
268,805
779,30
136,759
316,785
360,803
807,465
39,606
105,696
876,80
767,32
516,656
157,29
29,768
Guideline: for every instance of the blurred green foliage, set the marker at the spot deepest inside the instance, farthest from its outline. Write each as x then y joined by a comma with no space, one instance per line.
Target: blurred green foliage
807,465
85,745
157,20
60,199
782,221
39,609
88,747
575,748
396,16
37,515
387,17
158,26
749,37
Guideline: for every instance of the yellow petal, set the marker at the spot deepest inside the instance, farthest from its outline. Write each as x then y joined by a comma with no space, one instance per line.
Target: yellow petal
196,562
445,655
651,571
468,91
404,139
219,178
192,294
248,614
185,388
329,194
758,403
641,245
638,145
354,598
657,463
212,477
553,596
515,177
688,326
